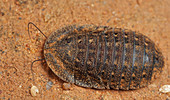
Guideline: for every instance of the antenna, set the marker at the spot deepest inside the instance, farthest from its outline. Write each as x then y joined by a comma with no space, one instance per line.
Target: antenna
36,27
30,38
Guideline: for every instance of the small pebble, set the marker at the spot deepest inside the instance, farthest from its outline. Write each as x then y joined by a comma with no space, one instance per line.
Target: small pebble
20,86
66,97
47,17
66,86
19,18
165,89
2,13
34,91
152,86
49,85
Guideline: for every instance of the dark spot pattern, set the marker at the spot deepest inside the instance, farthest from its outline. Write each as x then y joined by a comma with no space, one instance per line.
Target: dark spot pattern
103,57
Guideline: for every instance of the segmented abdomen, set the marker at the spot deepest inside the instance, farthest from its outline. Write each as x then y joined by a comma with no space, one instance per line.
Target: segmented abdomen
104,57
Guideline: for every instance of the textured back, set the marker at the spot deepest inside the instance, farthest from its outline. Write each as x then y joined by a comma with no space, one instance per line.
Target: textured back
103,57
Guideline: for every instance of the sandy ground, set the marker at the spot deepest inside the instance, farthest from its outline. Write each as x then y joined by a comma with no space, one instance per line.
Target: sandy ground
17,50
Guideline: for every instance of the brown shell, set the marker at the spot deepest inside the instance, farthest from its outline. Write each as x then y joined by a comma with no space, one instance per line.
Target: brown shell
103,57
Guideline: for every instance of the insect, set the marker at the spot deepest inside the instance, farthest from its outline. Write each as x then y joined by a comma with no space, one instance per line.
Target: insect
103,57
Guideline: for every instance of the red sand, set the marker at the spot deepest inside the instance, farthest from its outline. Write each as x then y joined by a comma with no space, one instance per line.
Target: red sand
17,51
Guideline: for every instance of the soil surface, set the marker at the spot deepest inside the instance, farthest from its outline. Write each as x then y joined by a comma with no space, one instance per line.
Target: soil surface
18,51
